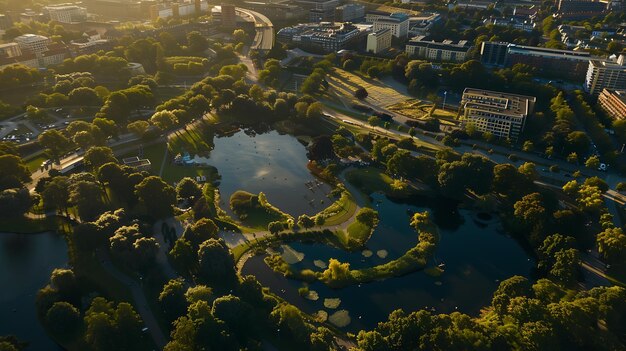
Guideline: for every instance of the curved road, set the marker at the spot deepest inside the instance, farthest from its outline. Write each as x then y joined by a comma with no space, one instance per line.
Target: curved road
264,39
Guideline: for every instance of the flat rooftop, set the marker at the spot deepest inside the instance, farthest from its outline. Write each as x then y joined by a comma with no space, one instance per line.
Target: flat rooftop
495,101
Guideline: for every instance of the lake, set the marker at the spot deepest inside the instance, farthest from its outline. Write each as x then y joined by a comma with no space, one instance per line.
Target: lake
477,256
270,162
26,261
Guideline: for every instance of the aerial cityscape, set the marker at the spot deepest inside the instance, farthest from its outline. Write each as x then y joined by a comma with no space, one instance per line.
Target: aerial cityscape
357,175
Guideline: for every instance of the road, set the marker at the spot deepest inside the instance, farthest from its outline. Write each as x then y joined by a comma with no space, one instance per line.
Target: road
264,38
141,303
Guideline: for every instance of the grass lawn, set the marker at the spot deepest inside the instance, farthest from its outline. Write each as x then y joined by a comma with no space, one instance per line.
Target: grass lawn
33,163
370,180
420,109
252,212
346,83
339,211
358,232
174,173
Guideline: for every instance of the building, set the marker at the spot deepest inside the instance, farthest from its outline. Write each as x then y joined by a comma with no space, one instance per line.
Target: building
322,37
10,50
277,11
33,43
512,22
187,8
447,50
349,12
5,23
501,114
66,13
606,75
228,16
378,41
398,23
580,9
319,10
566,64
613,102
421,25
30,16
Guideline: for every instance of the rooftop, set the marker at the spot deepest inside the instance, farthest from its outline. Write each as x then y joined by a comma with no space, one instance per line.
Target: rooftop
495,101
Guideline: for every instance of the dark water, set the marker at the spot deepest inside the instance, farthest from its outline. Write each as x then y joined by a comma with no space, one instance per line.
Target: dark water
26,261
475,254
272,163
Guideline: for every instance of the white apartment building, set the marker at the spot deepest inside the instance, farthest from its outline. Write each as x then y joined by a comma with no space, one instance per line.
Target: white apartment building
66,13
501,114
397,23
606,75
10,50
378,41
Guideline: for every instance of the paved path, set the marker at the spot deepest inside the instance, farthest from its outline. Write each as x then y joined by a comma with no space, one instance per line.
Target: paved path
141,303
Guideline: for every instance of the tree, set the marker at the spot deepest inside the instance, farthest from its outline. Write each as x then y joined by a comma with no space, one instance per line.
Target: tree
97,156
516,286
593,162
36,115
597,182
578,142
54,142
198,293
55,194
197,42
172,298
612,245
164,120
275,227
239,36
63,320
235,312
106,126
590,198
138,128
188,189
565,268
87,196
183,256
215,264
14,202
361,93
201,231
507,180
157,196
305,221
84,96
315,110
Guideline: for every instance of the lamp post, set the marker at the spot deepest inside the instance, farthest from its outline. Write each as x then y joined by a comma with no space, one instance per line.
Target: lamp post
445,94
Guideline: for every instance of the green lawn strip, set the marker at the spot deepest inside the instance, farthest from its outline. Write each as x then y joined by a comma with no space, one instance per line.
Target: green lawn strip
370,180
358,233
339,211
34,162
254,211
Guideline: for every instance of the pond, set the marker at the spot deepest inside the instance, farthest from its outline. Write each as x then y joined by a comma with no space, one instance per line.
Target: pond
476,257
272,163
26,261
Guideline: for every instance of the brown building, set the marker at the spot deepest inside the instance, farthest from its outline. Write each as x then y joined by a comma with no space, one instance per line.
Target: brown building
229,17
613,102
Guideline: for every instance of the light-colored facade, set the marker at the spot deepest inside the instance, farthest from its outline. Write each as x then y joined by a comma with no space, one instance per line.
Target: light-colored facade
606,75
66,13
613,102
378,41
501,114
445,51
397,23
33,43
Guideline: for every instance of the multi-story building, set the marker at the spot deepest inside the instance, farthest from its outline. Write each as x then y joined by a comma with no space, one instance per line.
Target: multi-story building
5,23
613,102
325,36
66,13
33,43
349,12
512,22
421,25
548,62
378,41
606,75
228,16
319,10
580,9
10,50
55,55
501,114
447,50
397,22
